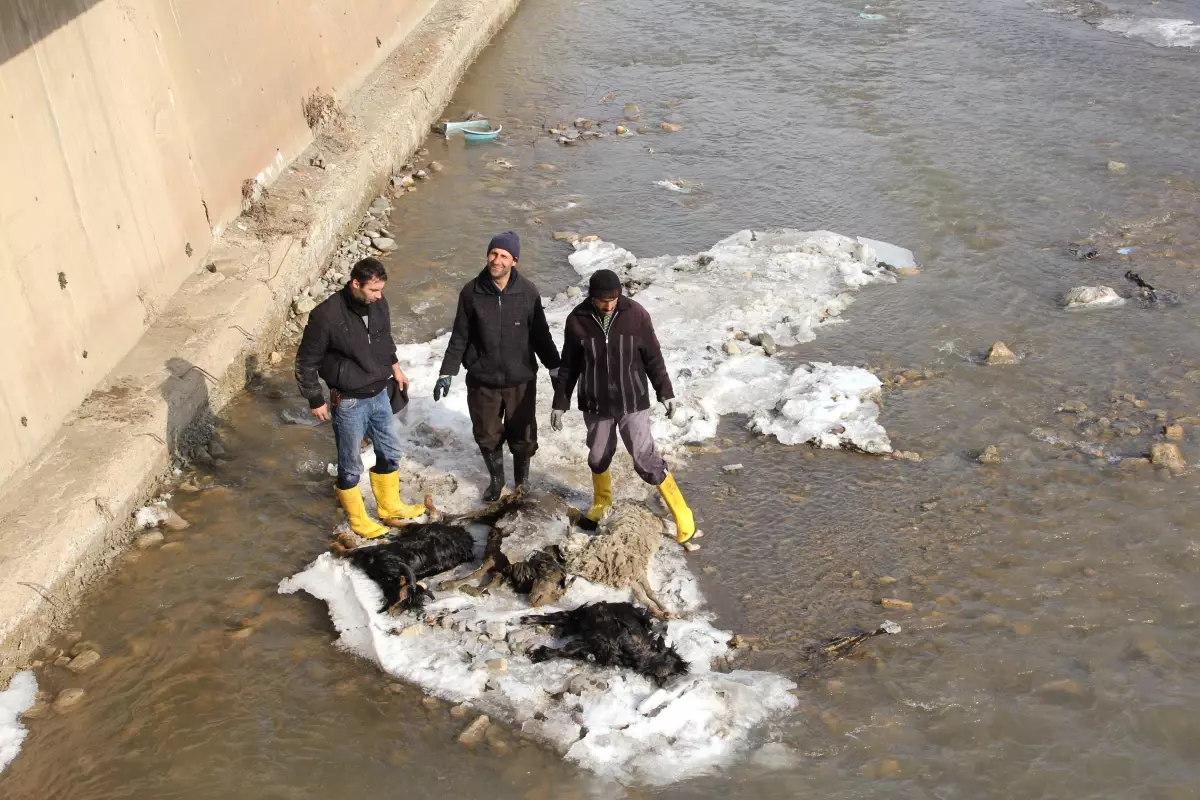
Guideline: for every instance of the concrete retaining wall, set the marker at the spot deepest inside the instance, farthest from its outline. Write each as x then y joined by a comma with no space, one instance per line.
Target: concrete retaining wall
140,114
128,129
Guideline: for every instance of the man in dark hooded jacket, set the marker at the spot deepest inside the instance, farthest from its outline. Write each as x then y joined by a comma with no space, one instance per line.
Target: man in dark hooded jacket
610,349
500,333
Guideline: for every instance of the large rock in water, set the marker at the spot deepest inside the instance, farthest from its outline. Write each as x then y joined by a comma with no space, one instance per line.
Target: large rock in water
1000,354
1166,454
1092,297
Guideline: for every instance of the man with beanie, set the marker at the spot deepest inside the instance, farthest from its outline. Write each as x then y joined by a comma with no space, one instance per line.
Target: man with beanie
348,342
500,333
610,349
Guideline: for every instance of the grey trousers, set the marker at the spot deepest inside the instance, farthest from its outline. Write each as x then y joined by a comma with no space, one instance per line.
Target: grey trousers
635,432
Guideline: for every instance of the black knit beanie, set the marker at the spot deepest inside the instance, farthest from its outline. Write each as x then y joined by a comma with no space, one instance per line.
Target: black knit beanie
603,284
507,241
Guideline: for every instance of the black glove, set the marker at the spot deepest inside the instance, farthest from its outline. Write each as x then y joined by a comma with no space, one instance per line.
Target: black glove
441,388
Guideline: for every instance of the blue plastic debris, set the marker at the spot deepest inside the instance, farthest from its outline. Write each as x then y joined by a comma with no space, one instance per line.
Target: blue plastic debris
1125,250
865,15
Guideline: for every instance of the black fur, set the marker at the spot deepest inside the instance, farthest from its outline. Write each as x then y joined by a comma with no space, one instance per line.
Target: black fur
1148,295
423,550
612,635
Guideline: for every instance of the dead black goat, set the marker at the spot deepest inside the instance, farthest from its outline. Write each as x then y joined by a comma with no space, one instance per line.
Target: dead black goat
611,635
422,551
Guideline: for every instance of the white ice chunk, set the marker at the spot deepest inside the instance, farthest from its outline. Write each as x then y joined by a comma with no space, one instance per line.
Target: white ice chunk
18,698
884,253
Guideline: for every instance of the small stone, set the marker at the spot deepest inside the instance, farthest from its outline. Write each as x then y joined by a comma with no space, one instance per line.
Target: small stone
446,622
83,661
990,455
886,580
435,166
1166,454
172,547
1174,433
275,358
497,666
732,468
175,522
385,244
496,629
574,292
460,711
889,768
412,630
1000,354
732,349
546,167
768,344
475,732
67,699
1117,167
1022,628
908,272
898,605
591,237
495,743
632,111
148,540
671,127
242,633
1073,407
62,661
431,703
565,236
379,202
303,304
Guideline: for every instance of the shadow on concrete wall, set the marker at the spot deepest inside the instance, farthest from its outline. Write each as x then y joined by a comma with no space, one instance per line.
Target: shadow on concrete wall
24,23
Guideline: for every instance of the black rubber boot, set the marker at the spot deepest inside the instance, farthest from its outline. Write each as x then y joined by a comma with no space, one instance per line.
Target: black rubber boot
520,472
495,467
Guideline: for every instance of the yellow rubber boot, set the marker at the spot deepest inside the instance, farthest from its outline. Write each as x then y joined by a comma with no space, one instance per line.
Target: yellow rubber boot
387,498
601,496
356,510
684,524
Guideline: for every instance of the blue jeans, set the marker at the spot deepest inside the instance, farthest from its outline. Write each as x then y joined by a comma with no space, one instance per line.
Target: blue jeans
353,419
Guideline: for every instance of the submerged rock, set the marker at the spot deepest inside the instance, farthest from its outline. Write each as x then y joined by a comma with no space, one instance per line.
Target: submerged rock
475,732
990,455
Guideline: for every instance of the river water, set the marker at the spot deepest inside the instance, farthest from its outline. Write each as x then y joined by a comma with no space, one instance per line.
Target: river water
1053,646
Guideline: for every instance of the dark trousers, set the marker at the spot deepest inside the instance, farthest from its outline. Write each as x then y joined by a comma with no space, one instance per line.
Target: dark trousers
504,415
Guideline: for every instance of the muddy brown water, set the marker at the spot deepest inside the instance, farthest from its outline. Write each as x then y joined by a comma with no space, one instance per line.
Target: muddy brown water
1053,645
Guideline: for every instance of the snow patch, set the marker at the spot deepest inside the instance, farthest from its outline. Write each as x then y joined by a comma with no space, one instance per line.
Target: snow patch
1155,30
18,698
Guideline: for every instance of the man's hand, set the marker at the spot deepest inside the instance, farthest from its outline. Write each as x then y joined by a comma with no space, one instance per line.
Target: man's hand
401,378
556,419
441,388
321,413
671,405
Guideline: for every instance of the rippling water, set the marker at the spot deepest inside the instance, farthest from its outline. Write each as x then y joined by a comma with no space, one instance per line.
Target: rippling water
1052,650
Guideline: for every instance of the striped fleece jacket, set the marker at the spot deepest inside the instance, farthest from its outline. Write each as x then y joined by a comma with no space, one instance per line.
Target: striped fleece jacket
611,369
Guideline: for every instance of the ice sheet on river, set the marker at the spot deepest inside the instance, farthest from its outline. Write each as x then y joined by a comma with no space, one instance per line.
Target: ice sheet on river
786,284
15,701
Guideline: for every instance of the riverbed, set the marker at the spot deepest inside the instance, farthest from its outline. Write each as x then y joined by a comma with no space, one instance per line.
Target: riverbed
1052,646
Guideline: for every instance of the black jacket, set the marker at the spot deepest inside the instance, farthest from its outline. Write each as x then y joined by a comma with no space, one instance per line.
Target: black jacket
611,370
498,334
354,358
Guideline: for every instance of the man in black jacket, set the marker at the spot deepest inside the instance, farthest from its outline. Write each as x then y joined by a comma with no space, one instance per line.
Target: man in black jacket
348,342
500,332
610,349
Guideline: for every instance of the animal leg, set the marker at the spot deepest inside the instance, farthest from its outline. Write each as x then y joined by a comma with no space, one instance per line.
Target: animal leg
646,596
484,568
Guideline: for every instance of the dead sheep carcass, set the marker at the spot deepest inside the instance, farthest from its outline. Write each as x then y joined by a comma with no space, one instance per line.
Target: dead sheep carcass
619,553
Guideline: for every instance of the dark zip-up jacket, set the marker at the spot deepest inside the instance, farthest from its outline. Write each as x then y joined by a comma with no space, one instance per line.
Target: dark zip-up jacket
611,369
352,357
499,336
